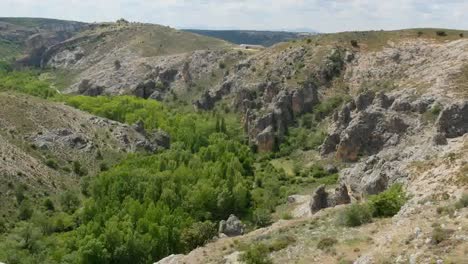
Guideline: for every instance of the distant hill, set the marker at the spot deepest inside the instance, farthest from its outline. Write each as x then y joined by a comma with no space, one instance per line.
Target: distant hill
20,36
265,38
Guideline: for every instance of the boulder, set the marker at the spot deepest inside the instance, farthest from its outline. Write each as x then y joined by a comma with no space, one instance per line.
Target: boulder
231,227
382,100
322,199
453,120
401,105
319,199
364,100
87,88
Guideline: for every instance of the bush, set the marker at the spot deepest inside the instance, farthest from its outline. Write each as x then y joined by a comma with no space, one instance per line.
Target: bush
51,163
262,217
326,243
354,43
49,205
222,65
389,202
69,201
25,210
355,215
198,234
463,202
256,254
78,169
441,33
439,235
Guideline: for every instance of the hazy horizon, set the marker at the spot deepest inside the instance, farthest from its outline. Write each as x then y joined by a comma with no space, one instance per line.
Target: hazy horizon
286,15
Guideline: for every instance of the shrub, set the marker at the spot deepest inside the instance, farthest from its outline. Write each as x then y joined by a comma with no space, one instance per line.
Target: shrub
461,35
51,163
256,254
49,205
355,215
463,202
389,202
420,33
262,217
441,33
439,235
198,234
25,210
117,65
69,201
326,243
281,243
78,169
222,65
354,43
436,109
19,193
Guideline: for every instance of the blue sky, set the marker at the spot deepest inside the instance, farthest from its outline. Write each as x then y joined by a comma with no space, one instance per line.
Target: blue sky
321,15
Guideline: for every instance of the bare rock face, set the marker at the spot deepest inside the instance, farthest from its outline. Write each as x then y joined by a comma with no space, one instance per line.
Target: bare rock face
322,199
87,88
62,137
453,120
231,227
319,200
266,130
145,89
366,131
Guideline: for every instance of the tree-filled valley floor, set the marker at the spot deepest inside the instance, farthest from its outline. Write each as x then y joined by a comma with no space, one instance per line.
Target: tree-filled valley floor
150,205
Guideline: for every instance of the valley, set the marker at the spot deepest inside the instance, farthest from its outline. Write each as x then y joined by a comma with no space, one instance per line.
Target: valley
126,142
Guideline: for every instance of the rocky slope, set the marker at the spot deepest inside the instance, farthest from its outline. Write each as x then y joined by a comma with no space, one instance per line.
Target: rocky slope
407,122
49,146
28,38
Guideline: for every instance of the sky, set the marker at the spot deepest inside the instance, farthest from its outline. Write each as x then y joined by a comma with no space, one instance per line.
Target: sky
318,15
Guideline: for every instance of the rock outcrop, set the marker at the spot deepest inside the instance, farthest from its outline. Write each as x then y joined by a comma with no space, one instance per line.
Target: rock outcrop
453,120
231,227
321,199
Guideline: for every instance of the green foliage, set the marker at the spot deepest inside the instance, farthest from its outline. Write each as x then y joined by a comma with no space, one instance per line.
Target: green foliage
327,106
20,192
49,205
69,201
439,234
355,215
25,210
326,243
198,234
256,254
5,67
191,129
463,202
27,82
51,163
78,169
389,202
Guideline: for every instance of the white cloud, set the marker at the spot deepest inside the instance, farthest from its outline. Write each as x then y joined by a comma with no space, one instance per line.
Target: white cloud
323,15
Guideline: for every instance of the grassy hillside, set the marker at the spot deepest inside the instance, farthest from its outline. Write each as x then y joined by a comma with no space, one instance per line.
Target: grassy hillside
146,39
